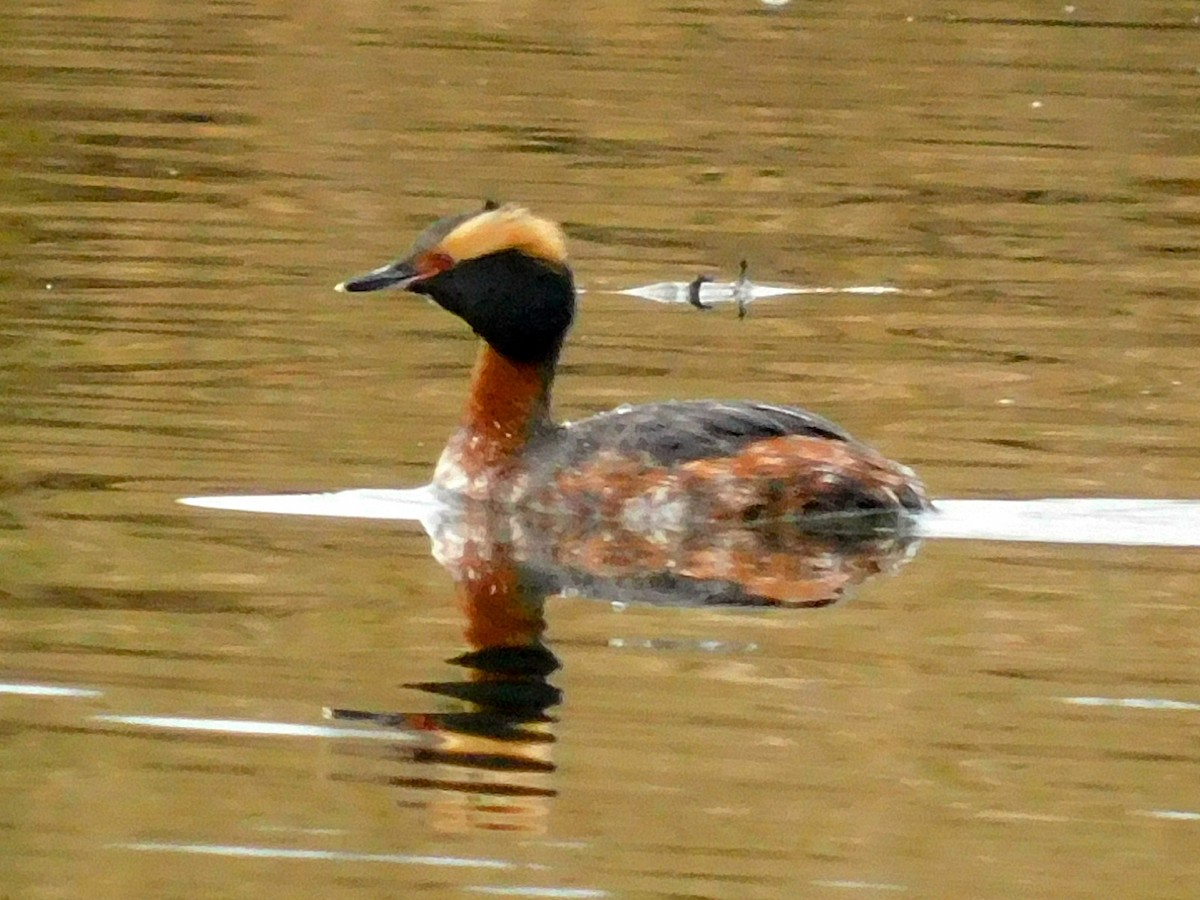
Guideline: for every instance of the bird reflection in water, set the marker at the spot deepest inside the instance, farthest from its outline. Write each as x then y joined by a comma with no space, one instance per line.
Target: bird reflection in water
489,756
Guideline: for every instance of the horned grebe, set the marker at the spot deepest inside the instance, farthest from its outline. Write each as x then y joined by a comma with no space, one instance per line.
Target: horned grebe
504,272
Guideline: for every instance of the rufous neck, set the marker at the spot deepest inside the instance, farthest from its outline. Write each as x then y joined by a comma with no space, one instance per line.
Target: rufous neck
509,401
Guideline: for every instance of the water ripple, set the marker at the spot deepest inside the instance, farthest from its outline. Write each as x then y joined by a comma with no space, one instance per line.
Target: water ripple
244,851
246,726
47,690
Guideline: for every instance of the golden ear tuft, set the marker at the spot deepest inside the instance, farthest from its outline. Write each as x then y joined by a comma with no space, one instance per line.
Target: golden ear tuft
508,227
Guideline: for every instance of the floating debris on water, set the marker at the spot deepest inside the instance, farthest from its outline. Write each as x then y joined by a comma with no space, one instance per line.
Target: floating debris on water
739,290
704,291
694,291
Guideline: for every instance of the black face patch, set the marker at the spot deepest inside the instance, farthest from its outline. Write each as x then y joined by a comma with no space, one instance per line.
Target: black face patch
520,305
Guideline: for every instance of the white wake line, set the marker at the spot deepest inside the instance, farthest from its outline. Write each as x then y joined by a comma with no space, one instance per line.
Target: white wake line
253,727
401,505
1065,520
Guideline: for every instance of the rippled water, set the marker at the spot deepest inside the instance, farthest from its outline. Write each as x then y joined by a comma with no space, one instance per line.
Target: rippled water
206,703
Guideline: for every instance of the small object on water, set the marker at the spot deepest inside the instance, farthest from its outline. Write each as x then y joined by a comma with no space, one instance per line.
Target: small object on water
716,292
694,291
741,291
740,294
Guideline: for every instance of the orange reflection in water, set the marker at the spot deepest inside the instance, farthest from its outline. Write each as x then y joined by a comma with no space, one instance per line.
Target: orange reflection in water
486,758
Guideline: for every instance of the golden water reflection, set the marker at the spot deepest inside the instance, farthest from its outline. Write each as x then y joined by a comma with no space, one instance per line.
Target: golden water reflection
183,183
486,758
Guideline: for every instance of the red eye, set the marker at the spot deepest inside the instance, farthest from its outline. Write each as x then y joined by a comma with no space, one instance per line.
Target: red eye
433,262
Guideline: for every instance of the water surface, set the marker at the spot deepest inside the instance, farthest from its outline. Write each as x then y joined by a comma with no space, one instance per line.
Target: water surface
184,185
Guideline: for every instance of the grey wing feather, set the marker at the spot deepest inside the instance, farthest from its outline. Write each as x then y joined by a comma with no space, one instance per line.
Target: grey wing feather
678,432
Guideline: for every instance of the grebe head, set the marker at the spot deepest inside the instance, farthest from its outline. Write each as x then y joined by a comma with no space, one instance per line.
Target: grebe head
501,269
